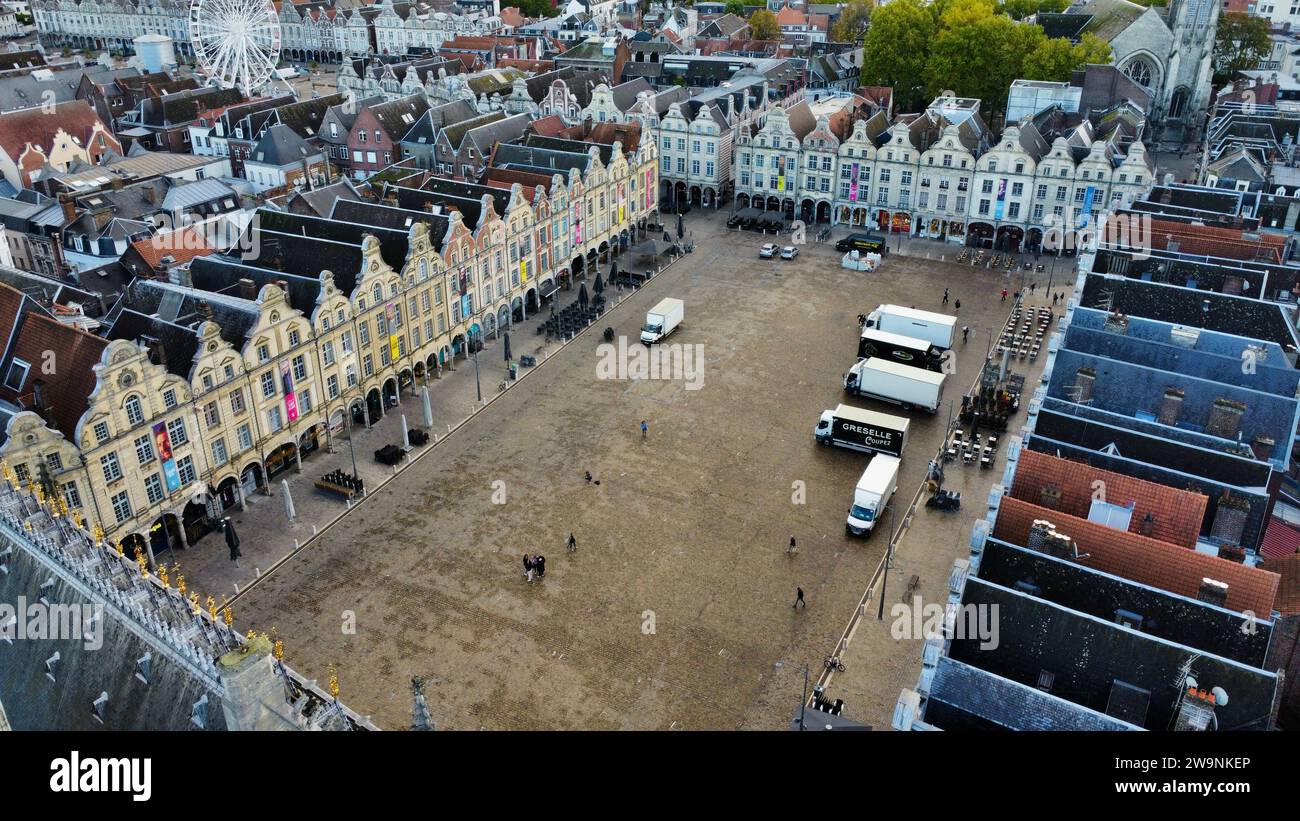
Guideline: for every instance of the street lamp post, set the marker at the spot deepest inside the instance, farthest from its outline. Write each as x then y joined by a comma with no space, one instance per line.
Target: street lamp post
477,385
889,559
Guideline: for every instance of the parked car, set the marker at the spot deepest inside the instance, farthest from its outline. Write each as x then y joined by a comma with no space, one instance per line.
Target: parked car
767,251
789,252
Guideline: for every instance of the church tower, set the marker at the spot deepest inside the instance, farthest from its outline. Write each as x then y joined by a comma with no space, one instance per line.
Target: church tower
1187,86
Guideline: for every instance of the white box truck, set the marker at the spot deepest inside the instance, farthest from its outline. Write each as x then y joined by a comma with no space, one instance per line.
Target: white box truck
662,320
909,350
861,429
897,383
937,329
872,495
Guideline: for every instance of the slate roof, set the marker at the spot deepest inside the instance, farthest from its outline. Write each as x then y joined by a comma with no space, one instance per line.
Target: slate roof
528,158
392,116
282,147
1000,703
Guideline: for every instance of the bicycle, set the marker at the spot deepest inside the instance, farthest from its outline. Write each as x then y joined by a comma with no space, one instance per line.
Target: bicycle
834,663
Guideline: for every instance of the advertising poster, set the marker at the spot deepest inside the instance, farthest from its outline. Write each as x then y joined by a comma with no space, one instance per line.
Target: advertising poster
290,399
390,311
162,443
1002,199
1088,195
853,182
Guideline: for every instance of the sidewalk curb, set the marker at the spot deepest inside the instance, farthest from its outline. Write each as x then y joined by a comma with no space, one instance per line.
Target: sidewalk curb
411,461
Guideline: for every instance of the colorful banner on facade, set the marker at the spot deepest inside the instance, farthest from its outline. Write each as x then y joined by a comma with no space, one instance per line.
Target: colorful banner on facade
577,222
1001,204
290,398
523,271
649,188
780,173
853,182
162,442
390,312
466,306
1088,195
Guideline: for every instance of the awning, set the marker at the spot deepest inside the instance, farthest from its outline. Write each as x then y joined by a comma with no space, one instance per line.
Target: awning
548,287
652,248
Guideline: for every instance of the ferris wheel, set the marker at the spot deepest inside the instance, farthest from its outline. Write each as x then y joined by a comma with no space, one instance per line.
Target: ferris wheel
236,42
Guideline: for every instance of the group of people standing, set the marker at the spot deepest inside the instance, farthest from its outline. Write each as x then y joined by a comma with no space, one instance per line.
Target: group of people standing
534,564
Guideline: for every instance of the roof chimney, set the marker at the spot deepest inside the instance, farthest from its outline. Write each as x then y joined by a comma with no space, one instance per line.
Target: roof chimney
69,207
247,288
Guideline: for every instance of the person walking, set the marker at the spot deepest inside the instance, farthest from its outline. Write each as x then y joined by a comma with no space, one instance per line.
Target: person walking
1032,286
539,562
528,567
792,549
573,544
232,539
965,333
945,296
956,306
798,598
1004,294
644,429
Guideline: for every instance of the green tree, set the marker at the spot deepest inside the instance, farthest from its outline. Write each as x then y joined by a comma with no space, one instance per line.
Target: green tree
1057,58
764,26
736,7
978,54
535,8
895,49
1020,9
853,21
1240,43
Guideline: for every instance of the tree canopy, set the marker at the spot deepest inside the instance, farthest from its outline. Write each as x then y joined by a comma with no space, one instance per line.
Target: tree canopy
967,48
736,7
852,22
764,26
1240,42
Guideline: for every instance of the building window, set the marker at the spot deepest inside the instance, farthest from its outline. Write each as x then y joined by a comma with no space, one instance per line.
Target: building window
245,438
211,415
185,467
273,420
299,367
71,496
121,507
153,488
17,375
134,410
176,432
101,432
112,468
144,449
268,385
219,455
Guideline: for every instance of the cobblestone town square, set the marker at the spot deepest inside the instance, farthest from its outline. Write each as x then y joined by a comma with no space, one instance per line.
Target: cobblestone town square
675,610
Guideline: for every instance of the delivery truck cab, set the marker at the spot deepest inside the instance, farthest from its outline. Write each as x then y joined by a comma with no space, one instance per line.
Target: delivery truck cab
908,350
897,383
872,495
861,429
937,329
662,319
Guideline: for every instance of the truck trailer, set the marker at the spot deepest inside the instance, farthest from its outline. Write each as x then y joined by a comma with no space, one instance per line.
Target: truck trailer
908,350
861,429
937,329
872,494
897,383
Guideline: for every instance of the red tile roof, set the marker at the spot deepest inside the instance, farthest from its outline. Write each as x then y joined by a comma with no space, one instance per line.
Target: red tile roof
75,352
1288,591
1177,514
1280,539
1228,243
181,245
789,16
1148,561
549,126
39,127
